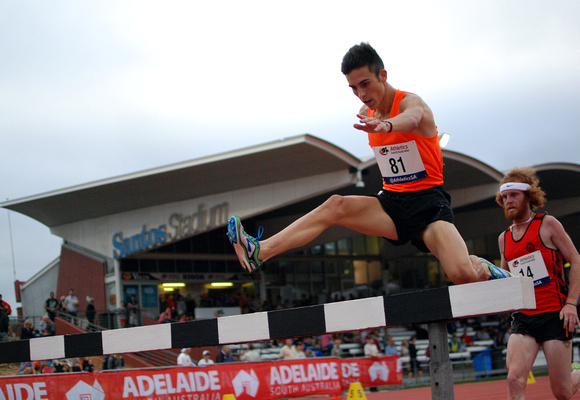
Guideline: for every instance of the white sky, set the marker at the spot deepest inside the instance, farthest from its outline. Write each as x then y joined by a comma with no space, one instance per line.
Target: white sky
92,90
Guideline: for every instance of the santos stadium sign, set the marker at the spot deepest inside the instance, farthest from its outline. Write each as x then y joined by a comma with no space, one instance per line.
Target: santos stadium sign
177,227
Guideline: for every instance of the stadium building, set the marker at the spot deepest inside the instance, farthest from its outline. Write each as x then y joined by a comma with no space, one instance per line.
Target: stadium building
164,230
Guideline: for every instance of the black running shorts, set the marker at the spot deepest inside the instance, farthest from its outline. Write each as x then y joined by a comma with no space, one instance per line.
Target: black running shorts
413,211
542,327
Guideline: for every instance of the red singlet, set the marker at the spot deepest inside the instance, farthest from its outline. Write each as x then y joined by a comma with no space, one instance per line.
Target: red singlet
530,257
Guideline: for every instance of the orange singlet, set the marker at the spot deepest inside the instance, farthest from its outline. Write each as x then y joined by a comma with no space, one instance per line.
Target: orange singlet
408,162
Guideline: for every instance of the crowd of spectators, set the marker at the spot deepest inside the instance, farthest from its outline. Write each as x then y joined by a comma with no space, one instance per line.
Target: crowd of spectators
176,308
374,343
128,314
56,366
66,307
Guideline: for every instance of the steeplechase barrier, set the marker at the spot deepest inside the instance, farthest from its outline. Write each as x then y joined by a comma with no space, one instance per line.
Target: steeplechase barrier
430,306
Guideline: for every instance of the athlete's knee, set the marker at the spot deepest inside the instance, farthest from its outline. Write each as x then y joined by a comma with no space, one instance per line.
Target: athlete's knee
335,207
561,392
516,383
461,278
461,272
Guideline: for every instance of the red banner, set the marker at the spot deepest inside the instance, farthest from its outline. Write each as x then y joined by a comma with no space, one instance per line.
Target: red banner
259,380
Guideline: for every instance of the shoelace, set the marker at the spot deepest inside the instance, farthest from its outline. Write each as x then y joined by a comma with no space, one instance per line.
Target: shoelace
260,233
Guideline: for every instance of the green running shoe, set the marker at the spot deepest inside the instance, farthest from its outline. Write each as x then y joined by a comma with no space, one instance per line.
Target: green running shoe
496,272
247,247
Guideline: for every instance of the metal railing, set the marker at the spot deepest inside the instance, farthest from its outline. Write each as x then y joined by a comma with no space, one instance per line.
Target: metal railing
103,321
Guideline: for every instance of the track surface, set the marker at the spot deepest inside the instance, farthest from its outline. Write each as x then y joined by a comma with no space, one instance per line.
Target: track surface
488,390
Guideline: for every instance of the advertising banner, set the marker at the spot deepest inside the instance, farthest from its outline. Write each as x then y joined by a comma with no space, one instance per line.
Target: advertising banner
259,380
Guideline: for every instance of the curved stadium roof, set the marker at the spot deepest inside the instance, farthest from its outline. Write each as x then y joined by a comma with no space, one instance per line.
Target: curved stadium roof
281,160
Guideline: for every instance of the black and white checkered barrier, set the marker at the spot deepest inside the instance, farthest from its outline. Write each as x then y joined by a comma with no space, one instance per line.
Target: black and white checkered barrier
423,306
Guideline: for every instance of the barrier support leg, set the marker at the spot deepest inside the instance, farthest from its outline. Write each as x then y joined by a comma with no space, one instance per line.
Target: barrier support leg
440,367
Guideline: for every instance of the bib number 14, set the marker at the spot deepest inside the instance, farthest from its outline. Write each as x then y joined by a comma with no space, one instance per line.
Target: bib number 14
528,273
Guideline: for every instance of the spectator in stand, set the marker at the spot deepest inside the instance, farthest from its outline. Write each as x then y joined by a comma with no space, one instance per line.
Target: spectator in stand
390,348
61,306
133,309
318,350
451,327
404,352
90,312
466,338
370,347
27,331
250,354
308,344
190,306
422,332
171,304
206,360
287,352
71,303
59,366
482,334
122,315
184,358
4,326
165,316
415,365
46,367
300,353
371,350
5,306
111,362
326,342
371,334
404,348
75,364
349,337
26,368
506,337
336,351
51,306
38,366
50,329
224,355
454,344
181,307
255,304
375,335
87,365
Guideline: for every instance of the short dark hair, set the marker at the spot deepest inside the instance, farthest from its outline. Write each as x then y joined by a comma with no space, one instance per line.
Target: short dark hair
362,55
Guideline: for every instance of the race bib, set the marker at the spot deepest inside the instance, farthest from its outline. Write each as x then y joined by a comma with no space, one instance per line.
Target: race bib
400,163
532,266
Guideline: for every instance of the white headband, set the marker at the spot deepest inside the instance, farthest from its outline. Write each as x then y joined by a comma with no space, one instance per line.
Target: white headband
514,186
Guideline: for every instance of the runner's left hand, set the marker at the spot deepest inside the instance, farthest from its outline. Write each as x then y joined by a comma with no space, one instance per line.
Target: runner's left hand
569,314
371,124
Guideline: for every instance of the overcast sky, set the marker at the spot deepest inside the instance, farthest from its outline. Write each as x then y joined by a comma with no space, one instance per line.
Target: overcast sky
92,90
